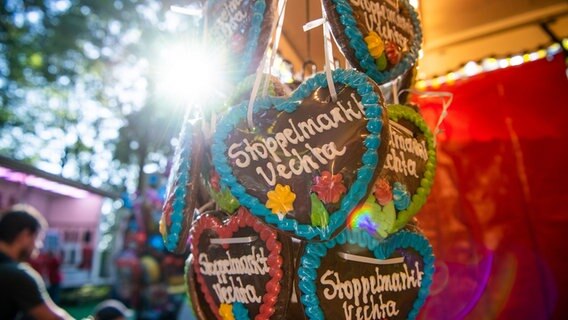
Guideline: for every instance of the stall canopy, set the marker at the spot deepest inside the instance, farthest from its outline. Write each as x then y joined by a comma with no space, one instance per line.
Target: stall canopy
497,216
17,172
455,32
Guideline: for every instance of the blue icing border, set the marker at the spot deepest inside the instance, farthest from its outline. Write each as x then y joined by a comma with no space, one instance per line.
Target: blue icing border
313,252
254,32
357,43
181,170
373,112
257,19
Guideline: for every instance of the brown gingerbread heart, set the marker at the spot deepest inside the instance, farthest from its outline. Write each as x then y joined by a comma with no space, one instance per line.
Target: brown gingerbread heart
241,265
379,37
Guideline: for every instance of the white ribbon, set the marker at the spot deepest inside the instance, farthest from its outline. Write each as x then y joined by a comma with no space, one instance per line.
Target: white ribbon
188,11
447,98
394,89
329,63
276,31
233,240
313,24
276,42
356,258
206,206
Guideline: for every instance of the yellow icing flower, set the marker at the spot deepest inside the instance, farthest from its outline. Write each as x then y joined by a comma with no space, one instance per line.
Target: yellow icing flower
375,44
281,200
226,311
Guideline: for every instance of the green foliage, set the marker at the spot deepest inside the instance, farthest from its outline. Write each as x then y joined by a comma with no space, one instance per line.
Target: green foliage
76,83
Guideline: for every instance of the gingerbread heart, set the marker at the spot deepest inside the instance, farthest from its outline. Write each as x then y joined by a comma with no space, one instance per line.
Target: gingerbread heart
182,188
354,276
404,183
242,266
379,37
309,160
196,300
239,31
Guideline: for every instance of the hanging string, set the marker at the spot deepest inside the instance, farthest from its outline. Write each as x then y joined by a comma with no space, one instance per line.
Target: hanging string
395,93
188,11
447,98
329,64
276,42
267,57
308,35
254,91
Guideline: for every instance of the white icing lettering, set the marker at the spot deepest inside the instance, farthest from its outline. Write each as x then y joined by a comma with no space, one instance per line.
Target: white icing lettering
254,263
229,287
242,158
403,141
285,160
230,17
361,294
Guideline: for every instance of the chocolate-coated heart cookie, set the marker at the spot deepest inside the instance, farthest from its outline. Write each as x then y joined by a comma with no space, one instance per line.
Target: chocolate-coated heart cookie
405,180
242,266
200,309
238,31
379,37
309,160
354,276
182,188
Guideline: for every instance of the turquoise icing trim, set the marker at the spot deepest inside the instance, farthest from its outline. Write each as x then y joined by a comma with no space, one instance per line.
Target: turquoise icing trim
313,252
400,196
257,19
181,170
358,189
240,312
254,32
357,43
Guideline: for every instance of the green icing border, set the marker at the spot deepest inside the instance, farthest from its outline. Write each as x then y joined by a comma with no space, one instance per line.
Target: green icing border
418,199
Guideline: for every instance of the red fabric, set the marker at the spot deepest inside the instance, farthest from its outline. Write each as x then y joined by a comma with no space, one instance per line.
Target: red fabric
497,216
54,269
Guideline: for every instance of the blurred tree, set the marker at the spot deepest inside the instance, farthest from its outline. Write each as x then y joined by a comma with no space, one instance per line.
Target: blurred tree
76,86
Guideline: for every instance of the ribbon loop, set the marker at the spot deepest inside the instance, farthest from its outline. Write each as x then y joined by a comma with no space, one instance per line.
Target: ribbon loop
447,98
268,58
313,24
329,63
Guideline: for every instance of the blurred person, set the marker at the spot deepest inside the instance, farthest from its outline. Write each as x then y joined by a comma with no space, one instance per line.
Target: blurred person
23,292
111,310
54,275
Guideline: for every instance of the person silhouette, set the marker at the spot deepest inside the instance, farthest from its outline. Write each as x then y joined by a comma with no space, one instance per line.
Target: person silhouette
23,289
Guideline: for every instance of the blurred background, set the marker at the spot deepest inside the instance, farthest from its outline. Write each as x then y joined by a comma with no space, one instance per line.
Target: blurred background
92,94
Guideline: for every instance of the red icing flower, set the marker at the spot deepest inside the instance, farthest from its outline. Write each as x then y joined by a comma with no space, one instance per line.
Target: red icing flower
329,187
393,53
214,180
383,192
